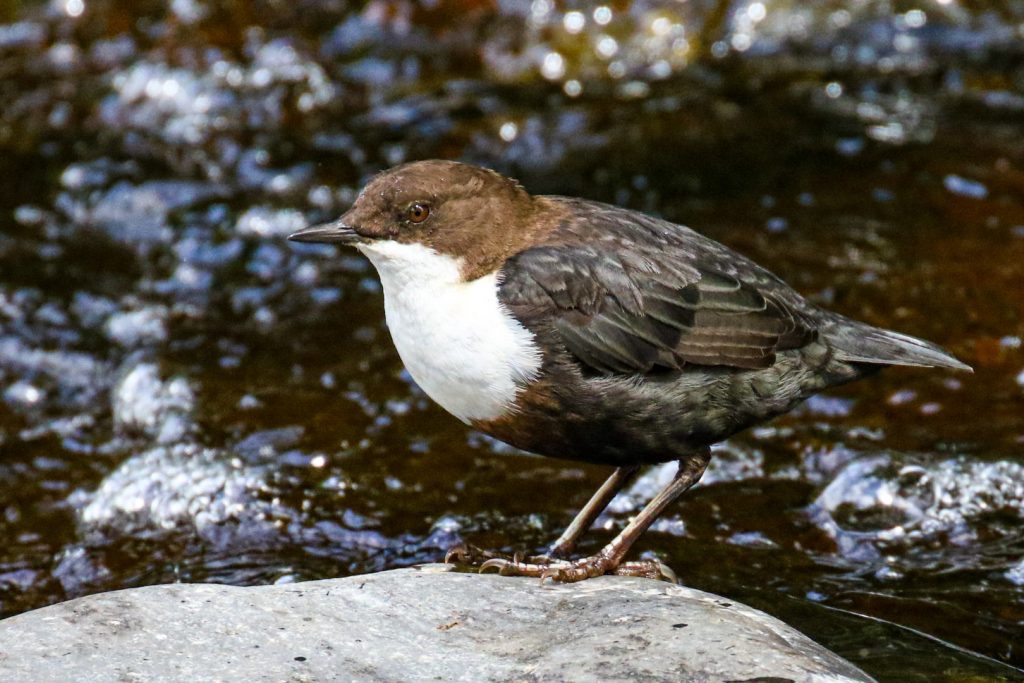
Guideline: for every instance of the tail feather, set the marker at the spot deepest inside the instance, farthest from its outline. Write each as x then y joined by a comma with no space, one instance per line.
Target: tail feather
861,343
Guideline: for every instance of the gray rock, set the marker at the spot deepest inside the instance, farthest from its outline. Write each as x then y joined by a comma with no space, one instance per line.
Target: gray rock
411,625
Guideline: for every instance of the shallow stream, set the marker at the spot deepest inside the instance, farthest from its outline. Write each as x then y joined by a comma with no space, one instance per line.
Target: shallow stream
184,396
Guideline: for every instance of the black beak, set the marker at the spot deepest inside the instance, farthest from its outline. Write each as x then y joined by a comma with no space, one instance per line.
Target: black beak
328,233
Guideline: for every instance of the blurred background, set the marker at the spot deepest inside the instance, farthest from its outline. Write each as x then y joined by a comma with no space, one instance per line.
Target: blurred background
184,396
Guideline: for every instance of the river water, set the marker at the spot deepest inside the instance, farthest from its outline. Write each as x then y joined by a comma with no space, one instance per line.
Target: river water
184,396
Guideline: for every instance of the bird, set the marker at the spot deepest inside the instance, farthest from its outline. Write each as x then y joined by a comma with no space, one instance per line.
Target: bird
588,332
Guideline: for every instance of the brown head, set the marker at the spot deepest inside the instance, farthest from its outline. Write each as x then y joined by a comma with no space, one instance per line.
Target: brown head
472,214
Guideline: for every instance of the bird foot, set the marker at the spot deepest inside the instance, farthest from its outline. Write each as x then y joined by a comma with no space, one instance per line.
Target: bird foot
562,571
468,554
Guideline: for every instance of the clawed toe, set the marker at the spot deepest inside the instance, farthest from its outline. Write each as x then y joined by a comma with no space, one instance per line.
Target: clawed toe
648,569
559,571
516,567
466,553
556,570
547,568
496,563
585,568
455,554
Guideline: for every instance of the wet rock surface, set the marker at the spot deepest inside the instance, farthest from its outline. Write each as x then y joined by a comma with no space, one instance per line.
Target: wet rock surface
412,625
184,396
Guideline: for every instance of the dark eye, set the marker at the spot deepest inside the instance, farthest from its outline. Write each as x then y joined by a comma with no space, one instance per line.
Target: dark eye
418,212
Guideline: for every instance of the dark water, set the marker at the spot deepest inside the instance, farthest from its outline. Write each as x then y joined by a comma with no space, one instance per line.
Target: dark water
186,397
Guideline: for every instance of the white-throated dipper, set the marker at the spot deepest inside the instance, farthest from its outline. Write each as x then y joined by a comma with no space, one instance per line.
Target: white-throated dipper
579,330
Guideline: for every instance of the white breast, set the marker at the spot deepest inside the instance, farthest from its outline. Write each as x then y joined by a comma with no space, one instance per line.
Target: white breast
457,341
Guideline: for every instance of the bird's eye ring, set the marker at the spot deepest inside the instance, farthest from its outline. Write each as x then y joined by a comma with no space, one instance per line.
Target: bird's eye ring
418,212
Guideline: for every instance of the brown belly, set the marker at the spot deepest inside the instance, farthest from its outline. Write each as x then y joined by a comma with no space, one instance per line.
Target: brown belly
655,418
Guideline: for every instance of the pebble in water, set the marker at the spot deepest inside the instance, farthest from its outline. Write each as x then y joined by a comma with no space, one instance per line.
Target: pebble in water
169,487
143,402
885,502
965,187
144,327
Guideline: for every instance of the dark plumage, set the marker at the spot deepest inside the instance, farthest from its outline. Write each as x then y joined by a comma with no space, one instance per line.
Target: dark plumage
655,341
659,340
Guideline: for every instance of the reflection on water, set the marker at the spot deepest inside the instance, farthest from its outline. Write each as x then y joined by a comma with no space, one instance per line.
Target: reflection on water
187,397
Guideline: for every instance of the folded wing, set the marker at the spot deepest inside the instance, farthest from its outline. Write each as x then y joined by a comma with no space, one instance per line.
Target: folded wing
626,308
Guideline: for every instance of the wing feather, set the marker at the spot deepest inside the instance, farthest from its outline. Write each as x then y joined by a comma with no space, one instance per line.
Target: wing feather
622,304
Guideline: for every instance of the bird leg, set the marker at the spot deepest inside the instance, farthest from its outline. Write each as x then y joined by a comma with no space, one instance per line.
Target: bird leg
466,553
609,559
566,543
